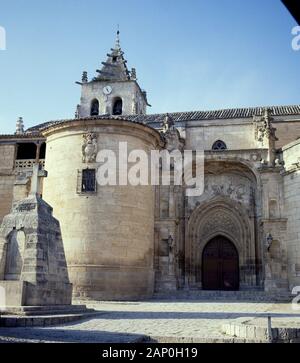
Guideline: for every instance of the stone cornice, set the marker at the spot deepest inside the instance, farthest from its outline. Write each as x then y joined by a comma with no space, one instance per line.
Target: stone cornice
274,220
105,124
291,170
270,169
12,139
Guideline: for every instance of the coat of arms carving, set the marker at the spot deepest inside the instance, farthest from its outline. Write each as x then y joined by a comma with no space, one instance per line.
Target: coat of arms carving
89,148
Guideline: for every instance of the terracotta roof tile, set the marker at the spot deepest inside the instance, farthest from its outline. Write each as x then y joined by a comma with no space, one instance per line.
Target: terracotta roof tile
191,116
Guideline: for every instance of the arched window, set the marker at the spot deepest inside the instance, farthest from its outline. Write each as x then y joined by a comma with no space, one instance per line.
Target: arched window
219,145
95,108
117,107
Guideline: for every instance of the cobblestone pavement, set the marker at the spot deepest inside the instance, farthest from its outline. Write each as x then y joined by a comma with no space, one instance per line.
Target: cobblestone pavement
168,320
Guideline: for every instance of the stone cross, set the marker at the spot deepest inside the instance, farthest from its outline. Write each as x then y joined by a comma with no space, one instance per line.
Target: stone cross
37,174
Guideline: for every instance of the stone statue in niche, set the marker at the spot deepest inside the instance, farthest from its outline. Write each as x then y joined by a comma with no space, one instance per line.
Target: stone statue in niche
89,148
133,74
171,255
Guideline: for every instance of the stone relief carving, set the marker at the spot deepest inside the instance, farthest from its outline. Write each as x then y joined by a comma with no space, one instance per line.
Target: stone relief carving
263,126
89,148
219,221
266,133
230,187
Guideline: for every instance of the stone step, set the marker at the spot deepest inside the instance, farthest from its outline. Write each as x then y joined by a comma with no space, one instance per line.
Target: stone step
44,320
253,295
44,310
256,328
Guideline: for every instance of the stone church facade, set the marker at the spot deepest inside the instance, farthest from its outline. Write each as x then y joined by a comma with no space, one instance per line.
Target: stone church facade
128,242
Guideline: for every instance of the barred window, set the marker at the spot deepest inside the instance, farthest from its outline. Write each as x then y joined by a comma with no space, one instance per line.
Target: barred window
88,183
219,145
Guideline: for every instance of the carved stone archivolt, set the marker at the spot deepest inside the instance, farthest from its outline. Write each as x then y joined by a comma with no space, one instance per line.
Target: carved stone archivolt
220,221
221,217
89,148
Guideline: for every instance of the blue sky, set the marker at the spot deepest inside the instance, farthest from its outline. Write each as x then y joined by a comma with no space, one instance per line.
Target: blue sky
189,54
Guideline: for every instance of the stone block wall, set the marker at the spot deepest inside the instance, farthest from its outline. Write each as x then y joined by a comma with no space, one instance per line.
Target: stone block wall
108,235
287,131
7,178
291,154
237,134
129,92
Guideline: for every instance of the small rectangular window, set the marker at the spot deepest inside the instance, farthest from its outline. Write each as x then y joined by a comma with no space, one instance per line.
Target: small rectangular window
88,183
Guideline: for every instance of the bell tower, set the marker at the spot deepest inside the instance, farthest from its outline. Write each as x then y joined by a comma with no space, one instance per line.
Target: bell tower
114,91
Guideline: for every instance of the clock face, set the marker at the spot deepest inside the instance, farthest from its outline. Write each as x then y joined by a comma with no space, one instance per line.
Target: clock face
107,90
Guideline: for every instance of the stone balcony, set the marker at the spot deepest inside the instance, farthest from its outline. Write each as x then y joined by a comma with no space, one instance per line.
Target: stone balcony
27,164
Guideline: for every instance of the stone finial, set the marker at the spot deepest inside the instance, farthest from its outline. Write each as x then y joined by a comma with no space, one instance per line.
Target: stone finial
118,46
168,122
77,112
20,126
37,174
133,74
84,77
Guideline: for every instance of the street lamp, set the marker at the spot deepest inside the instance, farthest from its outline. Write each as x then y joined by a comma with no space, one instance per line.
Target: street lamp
269,241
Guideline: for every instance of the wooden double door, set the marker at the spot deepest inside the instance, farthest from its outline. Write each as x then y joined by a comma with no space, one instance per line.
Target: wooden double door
220,265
